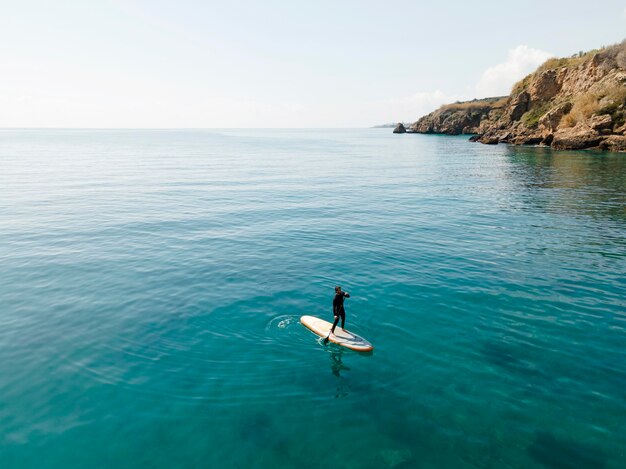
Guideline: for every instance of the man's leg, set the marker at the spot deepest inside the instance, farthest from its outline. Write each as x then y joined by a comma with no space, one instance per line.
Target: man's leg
343,320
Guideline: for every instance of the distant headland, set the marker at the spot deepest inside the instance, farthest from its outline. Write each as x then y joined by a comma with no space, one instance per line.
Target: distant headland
384,126
570,103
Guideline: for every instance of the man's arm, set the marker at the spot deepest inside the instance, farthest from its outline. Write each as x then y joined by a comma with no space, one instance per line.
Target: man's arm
346,294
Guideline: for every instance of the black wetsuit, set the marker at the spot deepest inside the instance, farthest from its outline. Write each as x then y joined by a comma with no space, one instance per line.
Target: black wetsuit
338,310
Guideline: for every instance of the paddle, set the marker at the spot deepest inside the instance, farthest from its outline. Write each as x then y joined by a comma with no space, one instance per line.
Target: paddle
332,329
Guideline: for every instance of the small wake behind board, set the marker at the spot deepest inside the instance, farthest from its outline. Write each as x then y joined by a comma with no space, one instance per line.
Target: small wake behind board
340,337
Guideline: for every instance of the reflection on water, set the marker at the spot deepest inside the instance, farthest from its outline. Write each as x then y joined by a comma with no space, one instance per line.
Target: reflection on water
584,182
337,365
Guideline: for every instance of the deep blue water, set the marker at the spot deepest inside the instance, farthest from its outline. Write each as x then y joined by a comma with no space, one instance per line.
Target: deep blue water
151,284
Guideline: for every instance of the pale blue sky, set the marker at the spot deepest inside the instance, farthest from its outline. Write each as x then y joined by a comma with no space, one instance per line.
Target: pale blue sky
275,64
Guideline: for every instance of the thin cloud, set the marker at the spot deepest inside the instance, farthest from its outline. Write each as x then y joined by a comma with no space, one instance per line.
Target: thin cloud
418,104
498,79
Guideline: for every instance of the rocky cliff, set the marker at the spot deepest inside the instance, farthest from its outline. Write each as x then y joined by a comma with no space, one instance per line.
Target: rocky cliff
571,103
460,117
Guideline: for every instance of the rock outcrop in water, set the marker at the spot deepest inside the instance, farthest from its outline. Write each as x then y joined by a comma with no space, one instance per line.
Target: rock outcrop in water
399,129
569,104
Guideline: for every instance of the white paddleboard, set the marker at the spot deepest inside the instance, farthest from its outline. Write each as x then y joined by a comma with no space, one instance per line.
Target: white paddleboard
340,336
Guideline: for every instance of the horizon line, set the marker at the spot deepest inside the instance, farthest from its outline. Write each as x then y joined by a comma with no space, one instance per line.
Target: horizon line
190,128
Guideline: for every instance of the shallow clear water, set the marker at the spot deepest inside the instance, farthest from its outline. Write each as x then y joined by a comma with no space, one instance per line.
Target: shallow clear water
151,284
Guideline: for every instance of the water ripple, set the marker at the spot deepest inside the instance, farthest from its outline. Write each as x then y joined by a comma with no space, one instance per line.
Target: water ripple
152,284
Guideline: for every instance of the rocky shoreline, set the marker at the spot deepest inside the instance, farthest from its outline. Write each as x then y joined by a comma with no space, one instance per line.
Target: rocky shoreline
568,104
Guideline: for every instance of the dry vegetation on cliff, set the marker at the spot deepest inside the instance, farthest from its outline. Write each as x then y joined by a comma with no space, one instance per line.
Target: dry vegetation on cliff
602,101
475,105
602,98
575,102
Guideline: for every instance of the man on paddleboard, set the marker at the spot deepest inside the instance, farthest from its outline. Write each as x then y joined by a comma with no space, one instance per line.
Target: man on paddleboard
338,310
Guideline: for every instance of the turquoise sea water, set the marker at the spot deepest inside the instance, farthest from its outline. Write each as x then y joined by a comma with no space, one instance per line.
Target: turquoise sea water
151,284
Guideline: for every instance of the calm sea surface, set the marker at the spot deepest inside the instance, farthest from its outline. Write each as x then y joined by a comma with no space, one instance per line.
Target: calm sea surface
151,284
